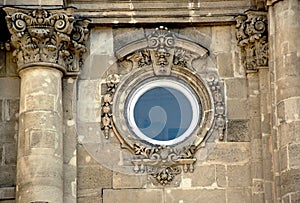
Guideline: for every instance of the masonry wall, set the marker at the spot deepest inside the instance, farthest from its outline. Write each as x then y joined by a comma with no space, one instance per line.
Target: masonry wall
223,176
9,108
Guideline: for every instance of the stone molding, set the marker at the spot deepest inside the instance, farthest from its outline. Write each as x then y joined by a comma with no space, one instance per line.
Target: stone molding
252,36
52,38
162,54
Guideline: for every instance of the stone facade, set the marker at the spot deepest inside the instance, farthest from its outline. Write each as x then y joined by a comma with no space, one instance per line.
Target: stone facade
65,74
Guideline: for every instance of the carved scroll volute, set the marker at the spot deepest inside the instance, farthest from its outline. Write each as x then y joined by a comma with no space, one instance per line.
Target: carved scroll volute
252,38
50,37
161,41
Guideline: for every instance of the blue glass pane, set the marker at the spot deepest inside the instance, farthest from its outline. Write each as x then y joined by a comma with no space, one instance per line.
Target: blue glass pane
163,113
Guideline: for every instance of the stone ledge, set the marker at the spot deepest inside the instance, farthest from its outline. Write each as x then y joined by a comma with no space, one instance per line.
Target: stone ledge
148,12
7,193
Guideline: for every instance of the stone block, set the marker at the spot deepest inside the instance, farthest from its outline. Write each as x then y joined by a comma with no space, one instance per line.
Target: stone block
201,34
44,102
236,88
283,158
10,156
257,169
239,175
124,36
287,87
95,176
294,155
89,101
289,133
121,180
133,195
240,195
83,157
195,196
11,65
7,193
238,131
225,66
8,131
89,199
2,57
295,197
230,153
290,181
100,64
10,88
221,39
237,109
8,175
204,175
258,198
221,176
43,139
292,109
1,153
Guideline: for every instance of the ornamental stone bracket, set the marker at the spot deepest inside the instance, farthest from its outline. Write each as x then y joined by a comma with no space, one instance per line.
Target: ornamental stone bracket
47,37
161,55
252,38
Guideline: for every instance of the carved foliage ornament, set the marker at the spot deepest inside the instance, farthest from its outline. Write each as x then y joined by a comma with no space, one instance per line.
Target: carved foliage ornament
47,36
161,58
253,39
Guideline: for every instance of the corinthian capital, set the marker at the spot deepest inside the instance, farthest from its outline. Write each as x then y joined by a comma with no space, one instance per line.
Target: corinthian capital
252,36
47,37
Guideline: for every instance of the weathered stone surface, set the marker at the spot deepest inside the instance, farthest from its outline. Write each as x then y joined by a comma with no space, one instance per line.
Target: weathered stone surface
290,181
95,176
225,66
121,180
294,155
230,153
221,39
133,195
204,175
10,154
238,131
236,88
221,176
239,175
8,175
236,108
7,193
10,88
195,196
241,195
124,36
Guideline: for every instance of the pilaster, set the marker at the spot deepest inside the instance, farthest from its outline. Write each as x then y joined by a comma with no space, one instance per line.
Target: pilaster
252,36
47,45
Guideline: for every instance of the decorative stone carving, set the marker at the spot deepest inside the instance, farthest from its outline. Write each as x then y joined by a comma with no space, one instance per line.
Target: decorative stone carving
161,55
252,38
52,37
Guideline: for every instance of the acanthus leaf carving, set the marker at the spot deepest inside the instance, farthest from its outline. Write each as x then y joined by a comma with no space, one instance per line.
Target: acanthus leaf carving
252,39
163,162
42,36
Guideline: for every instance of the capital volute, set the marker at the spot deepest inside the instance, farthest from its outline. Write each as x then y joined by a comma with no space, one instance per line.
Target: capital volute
53,38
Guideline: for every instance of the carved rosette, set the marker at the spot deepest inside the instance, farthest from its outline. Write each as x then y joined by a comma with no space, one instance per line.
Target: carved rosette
47,37
253,39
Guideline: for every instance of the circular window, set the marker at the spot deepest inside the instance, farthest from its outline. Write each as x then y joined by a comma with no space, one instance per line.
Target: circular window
163,111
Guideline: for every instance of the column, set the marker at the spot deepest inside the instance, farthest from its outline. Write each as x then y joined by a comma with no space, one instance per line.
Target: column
48,44
285,65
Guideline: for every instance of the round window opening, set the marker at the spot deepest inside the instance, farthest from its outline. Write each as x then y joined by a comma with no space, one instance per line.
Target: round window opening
163,111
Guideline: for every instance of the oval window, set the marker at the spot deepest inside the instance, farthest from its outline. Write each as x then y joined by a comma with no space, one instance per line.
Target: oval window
163,111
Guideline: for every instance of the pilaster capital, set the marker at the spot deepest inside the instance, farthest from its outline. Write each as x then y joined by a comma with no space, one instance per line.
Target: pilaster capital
52,38
252,36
